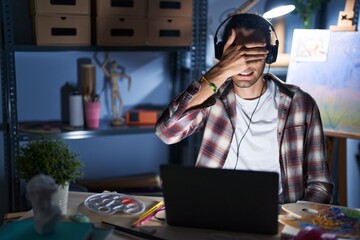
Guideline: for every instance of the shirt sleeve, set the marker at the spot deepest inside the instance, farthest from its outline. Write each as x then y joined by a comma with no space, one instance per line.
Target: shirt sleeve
176,122
319,185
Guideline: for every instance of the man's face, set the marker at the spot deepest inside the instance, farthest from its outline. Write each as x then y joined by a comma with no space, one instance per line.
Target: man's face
254,70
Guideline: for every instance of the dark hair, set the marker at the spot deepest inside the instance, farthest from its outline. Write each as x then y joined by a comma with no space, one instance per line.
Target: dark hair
248,21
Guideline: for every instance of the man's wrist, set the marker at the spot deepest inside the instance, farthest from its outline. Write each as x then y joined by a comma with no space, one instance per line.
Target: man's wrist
211,85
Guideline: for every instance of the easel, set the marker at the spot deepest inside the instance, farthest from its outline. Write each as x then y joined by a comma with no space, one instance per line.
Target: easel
336,151
336,141
346,18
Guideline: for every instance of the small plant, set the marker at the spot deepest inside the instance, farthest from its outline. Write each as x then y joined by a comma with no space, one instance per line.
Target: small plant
306,10
51,157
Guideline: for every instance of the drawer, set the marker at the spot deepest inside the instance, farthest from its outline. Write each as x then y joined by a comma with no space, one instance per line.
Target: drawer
62,30
170,8
176,31
78,7
105,8
120,31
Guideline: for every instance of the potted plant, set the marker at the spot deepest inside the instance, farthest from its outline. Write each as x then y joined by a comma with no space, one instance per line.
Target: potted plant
51,157
306,10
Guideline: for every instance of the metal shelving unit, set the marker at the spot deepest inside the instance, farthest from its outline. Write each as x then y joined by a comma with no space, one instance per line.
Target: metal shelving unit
10,125
81,133
33,48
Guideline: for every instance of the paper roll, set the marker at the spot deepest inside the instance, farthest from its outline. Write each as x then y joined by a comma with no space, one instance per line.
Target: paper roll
76,110
88,80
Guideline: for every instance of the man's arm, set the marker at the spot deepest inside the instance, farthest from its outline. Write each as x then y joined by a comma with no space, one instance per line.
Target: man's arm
176,122
319,182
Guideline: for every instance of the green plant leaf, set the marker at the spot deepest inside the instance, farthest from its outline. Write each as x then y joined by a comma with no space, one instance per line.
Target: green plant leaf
306,9
51,157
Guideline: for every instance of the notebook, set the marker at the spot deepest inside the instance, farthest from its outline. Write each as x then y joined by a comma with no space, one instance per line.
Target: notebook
221,199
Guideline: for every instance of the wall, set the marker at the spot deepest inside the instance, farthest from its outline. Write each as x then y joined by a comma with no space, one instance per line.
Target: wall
40,77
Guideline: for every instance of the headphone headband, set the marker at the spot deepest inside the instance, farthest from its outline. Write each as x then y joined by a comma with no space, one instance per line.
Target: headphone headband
273,49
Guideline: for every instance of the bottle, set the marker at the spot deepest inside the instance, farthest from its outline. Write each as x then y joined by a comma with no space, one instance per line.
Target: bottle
76,109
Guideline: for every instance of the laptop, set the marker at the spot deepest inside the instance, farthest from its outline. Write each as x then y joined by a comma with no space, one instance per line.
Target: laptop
221,199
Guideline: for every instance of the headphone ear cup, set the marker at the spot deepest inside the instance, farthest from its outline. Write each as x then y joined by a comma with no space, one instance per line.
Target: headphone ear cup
272,55
219,48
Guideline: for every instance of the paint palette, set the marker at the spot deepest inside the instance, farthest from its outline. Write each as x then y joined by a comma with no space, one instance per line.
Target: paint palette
341,221
110,203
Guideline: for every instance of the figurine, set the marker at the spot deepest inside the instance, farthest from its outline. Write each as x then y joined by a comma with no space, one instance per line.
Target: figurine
40,189
112,72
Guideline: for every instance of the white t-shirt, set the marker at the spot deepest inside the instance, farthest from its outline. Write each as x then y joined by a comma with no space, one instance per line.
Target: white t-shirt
258,150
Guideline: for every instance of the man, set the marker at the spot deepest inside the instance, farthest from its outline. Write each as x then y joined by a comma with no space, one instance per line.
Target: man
251,120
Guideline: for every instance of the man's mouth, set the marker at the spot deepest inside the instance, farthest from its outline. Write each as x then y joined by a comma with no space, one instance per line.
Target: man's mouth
245,73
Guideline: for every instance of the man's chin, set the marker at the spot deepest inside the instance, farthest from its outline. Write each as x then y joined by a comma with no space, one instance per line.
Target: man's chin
243,84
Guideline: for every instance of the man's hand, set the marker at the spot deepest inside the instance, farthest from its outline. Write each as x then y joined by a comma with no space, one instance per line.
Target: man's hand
237,57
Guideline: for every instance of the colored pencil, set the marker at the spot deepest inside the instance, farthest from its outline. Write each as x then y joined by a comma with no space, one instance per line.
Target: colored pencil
145,216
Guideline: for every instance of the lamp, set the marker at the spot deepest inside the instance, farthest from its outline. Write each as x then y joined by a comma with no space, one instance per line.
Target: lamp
275,9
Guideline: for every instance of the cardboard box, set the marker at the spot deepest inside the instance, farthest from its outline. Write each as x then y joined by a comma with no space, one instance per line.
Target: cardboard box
106,8
169,31
62,30
120,31
79,7
170,8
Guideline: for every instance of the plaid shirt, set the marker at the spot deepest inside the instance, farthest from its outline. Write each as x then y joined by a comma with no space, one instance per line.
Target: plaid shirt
304,169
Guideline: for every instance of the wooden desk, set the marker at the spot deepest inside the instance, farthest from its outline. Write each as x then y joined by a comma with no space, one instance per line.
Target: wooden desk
75,206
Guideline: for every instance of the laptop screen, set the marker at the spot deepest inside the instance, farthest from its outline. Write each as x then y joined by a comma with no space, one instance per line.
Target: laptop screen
223,199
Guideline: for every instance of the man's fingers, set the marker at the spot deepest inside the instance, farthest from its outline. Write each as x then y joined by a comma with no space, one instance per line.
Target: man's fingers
230,40
242,50
255,45
254,58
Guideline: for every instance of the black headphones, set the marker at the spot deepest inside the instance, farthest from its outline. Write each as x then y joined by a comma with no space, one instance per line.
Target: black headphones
273,49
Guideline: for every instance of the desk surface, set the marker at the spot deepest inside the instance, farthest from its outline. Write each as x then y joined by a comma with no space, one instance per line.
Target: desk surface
75,206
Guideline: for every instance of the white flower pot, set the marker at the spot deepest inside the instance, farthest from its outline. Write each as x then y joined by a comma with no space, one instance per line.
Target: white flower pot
60,198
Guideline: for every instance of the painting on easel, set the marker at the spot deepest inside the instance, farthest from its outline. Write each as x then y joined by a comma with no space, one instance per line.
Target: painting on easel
326,64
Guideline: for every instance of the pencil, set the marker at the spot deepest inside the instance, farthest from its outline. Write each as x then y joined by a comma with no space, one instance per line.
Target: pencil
149,216
133,232
148,212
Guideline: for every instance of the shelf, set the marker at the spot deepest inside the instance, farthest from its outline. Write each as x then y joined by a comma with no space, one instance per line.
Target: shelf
38,129
35,48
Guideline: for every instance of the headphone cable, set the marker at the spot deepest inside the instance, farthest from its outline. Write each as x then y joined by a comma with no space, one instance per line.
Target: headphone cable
247,129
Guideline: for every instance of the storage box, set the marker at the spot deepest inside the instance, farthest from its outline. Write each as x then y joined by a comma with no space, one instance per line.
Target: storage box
169,31
142,116
170,8
120,31
62,30
105,8
80,7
